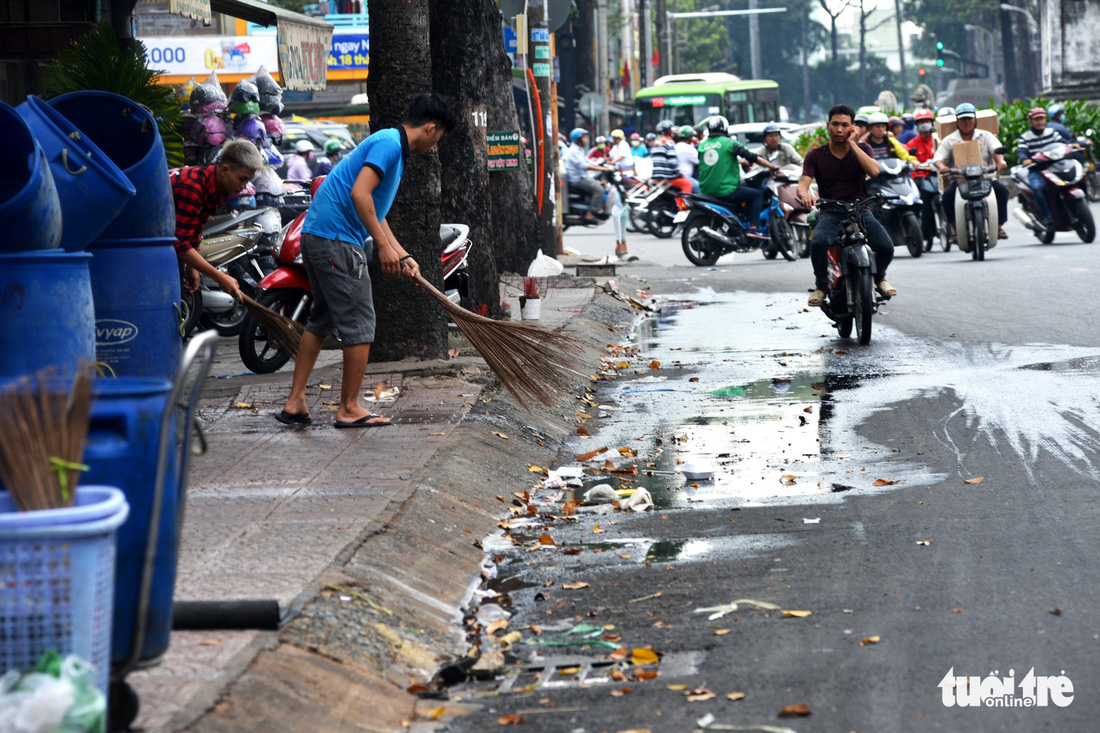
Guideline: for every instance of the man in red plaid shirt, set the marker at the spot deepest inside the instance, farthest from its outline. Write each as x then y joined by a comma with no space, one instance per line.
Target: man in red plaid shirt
198,190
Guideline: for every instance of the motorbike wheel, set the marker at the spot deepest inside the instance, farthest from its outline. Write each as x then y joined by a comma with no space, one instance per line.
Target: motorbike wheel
698,248
259,353
943,227
1093,180
769,250
782,238
803,241
861,299
845,323
637,221
979,235
190,311
226,324
1083,223
659,218
910,230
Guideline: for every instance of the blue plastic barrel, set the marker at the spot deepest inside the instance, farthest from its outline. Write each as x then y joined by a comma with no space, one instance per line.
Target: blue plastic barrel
128,134
59,580
91,189
123,437
136,287
47,318
30,213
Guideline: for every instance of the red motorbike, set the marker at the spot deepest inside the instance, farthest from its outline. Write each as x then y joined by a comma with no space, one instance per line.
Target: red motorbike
286,290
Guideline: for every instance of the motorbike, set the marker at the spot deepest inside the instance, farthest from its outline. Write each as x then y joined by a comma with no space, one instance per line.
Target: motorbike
1093,169
710,228
976,213
286,290
851,298
577,206
1065,189
638,198
899,204
784,189
929,184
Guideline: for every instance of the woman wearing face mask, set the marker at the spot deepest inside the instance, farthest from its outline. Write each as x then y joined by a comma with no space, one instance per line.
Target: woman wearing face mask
924,147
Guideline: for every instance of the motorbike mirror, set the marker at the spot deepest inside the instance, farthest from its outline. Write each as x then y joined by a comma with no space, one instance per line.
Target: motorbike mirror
1000,151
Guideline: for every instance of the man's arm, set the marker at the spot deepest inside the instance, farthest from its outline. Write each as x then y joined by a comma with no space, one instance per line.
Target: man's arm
362,197
188,199
866,162
194,260
804,194
795,158
409,266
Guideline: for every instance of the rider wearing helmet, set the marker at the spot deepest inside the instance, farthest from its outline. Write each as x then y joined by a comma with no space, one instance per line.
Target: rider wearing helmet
924,145
967,118
619,153
841,168
297,165
1056,114
666,165
882,144
687,156
908,123
326,162
577,166
777,151
720,174
896,125
945,112
1035,139
598,153
638,148
860,122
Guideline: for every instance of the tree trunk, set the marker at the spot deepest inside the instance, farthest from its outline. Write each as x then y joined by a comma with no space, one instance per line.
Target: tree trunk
409,322
806,60
901,54
464,72
863,50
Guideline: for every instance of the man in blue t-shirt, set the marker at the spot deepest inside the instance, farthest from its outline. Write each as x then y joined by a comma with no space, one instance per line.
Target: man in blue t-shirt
351,205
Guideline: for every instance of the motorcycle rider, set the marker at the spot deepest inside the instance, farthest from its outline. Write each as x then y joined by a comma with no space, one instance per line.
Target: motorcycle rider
326,162
909,131
883,145
720,174
925,146
638,148
1056,115
860,123
841,167
967,117
776,150
687,155
297,165
197,191
619,154
1031,142
598,153
896,127
666,166
577,165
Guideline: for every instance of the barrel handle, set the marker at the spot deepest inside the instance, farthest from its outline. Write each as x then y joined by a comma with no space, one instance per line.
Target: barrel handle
65,162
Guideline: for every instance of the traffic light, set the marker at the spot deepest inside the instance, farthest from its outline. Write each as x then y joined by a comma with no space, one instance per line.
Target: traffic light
939,53
921,71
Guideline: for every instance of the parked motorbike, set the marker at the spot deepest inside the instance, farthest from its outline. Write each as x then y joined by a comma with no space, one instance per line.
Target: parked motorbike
851,298
286,290
899,204
1065,189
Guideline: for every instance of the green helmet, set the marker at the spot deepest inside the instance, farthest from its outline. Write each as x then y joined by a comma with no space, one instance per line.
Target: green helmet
245,108
686,132
333,146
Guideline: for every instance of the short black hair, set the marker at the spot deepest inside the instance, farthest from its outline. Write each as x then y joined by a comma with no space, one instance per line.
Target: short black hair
842,109
425,108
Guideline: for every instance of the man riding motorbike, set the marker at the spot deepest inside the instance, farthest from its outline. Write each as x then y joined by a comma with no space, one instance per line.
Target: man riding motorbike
776,150
577,166
720,174
841,167
909,131
925,146
666,166
883,145
687,155
1056,120
619,153
967,116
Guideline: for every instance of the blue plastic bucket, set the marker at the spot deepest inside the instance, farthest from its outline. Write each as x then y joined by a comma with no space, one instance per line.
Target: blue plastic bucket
47,317
136,288
128,134
30,213
58,571
91,189
123,438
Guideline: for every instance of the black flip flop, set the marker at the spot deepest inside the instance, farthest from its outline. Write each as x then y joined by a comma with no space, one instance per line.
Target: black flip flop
288,419
364,422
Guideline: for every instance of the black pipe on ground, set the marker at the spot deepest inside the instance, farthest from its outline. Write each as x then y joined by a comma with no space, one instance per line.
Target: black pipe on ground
225,615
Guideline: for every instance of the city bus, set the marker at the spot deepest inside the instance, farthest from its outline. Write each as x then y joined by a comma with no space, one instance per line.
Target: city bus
688,99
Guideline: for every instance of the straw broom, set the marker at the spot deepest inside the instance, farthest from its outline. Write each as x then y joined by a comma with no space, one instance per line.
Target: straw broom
286,332
529,361
42,435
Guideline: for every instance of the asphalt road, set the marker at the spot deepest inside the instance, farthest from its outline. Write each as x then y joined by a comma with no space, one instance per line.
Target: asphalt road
977,370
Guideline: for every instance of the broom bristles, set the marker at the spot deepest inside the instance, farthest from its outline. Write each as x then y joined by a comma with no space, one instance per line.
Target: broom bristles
286,332
529,361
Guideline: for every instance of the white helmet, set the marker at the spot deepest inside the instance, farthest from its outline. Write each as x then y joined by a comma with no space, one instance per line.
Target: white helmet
717,125
877,118
303,146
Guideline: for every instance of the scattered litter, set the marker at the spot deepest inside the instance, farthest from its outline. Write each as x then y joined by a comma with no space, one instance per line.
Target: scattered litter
579,635
815,520
601,494
639,501
698,470
384,395
491,612
720,611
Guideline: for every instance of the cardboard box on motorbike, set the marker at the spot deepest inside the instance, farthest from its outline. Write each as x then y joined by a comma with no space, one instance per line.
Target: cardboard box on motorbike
987,120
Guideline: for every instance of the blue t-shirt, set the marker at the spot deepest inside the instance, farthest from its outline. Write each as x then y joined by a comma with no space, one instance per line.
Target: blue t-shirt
332,214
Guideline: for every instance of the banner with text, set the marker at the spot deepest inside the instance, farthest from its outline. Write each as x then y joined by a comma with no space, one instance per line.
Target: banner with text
303,55
199,55
349,51
196,9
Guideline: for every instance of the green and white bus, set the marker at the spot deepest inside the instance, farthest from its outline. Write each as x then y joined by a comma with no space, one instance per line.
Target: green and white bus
688,99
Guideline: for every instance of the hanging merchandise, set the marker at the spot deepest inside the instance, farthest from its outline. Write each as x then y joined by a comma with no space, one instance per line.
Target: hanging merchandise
245,99
271,94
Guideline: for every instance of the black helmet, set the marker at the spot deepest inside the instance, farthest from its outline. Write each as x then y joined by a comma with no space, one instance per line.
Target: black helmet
664,127
717,125
650,137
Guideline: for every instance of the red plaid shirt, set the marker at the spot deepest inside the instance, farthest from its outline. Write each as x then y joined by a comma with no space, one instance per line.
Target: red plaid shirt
196,199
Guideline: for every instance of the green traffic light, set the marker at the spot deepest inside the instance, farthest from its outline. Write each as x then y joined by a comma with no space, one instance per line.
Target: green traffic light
939,62
939,45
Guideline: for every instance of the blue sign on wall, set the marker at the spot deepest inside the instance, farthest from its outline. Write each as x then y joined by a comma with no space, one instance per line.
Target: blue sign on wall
349,51
509,40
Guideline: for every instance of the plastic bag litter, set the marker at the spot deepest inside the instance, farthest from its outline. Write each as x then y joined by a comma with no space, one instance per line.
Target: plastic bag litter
545,266
639,501
59,696
601,494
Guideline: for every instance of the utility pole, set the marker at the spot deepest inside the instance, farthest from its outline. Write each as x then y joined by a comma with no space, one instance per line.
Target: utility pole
645,50
663,55
601,65
1008,44
754,40
674,45
540,64
901,52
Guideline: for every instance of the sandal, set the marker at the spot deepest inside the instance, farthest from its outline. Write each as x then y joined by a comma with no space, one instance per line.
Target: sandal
1001,233
816,298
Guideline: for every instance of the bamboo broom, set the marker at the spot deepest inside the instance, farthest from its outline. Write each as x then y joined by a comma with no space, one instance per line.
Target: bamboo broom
286,332
531,362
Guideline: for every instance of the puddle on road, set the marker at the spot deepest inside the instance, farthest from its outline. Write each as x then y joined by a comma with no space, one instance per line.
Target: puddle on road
778,401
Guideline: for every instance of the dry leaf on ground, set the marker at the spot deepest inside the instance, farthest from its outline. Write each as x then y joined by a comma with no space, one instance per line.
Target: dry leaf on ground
883,482
499,625
574,586
546,540
721,632
976,480
644,655
500,435
676,688
511,720
924,542
620,693
591,454
699,694
799,708
646,674
735,696
870,640
436,714
796,614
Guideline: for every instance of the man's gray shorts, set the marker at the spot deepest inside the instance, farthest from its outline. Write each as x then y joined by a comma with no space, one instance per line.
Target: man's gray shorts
342,300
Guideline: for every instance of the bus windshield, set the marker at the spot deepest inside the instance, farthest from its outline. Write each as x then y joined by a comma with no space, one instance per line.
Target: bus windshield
682,109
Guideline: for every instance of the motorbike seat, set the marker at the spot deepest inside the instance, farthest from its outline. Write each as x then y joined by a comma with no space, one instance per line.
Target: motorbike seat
713,200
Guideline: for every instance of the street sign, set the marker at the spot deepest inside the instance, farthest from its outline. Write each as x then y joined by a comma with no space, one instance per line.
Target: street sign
303,54
196,9
592,104
504,150
559,11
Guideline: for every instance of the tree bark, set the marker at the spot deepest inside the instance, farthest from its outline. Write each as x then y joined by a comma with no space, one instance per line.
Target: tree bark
409,323
806,60
467,74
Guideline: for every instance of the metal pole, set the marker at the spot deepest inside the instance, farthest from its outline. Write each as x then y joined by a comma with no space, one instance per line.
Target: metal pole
664,57
645,52
901,52
602,63
754,40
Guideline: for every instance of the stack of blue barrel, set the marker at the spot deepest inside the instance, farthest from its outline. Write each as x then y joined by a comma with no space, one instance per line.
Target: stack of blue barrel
88,272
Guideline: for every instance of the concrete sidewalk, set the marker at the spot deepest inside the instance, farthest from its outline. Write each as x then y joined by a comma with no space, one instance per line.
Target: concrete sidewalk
365,537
